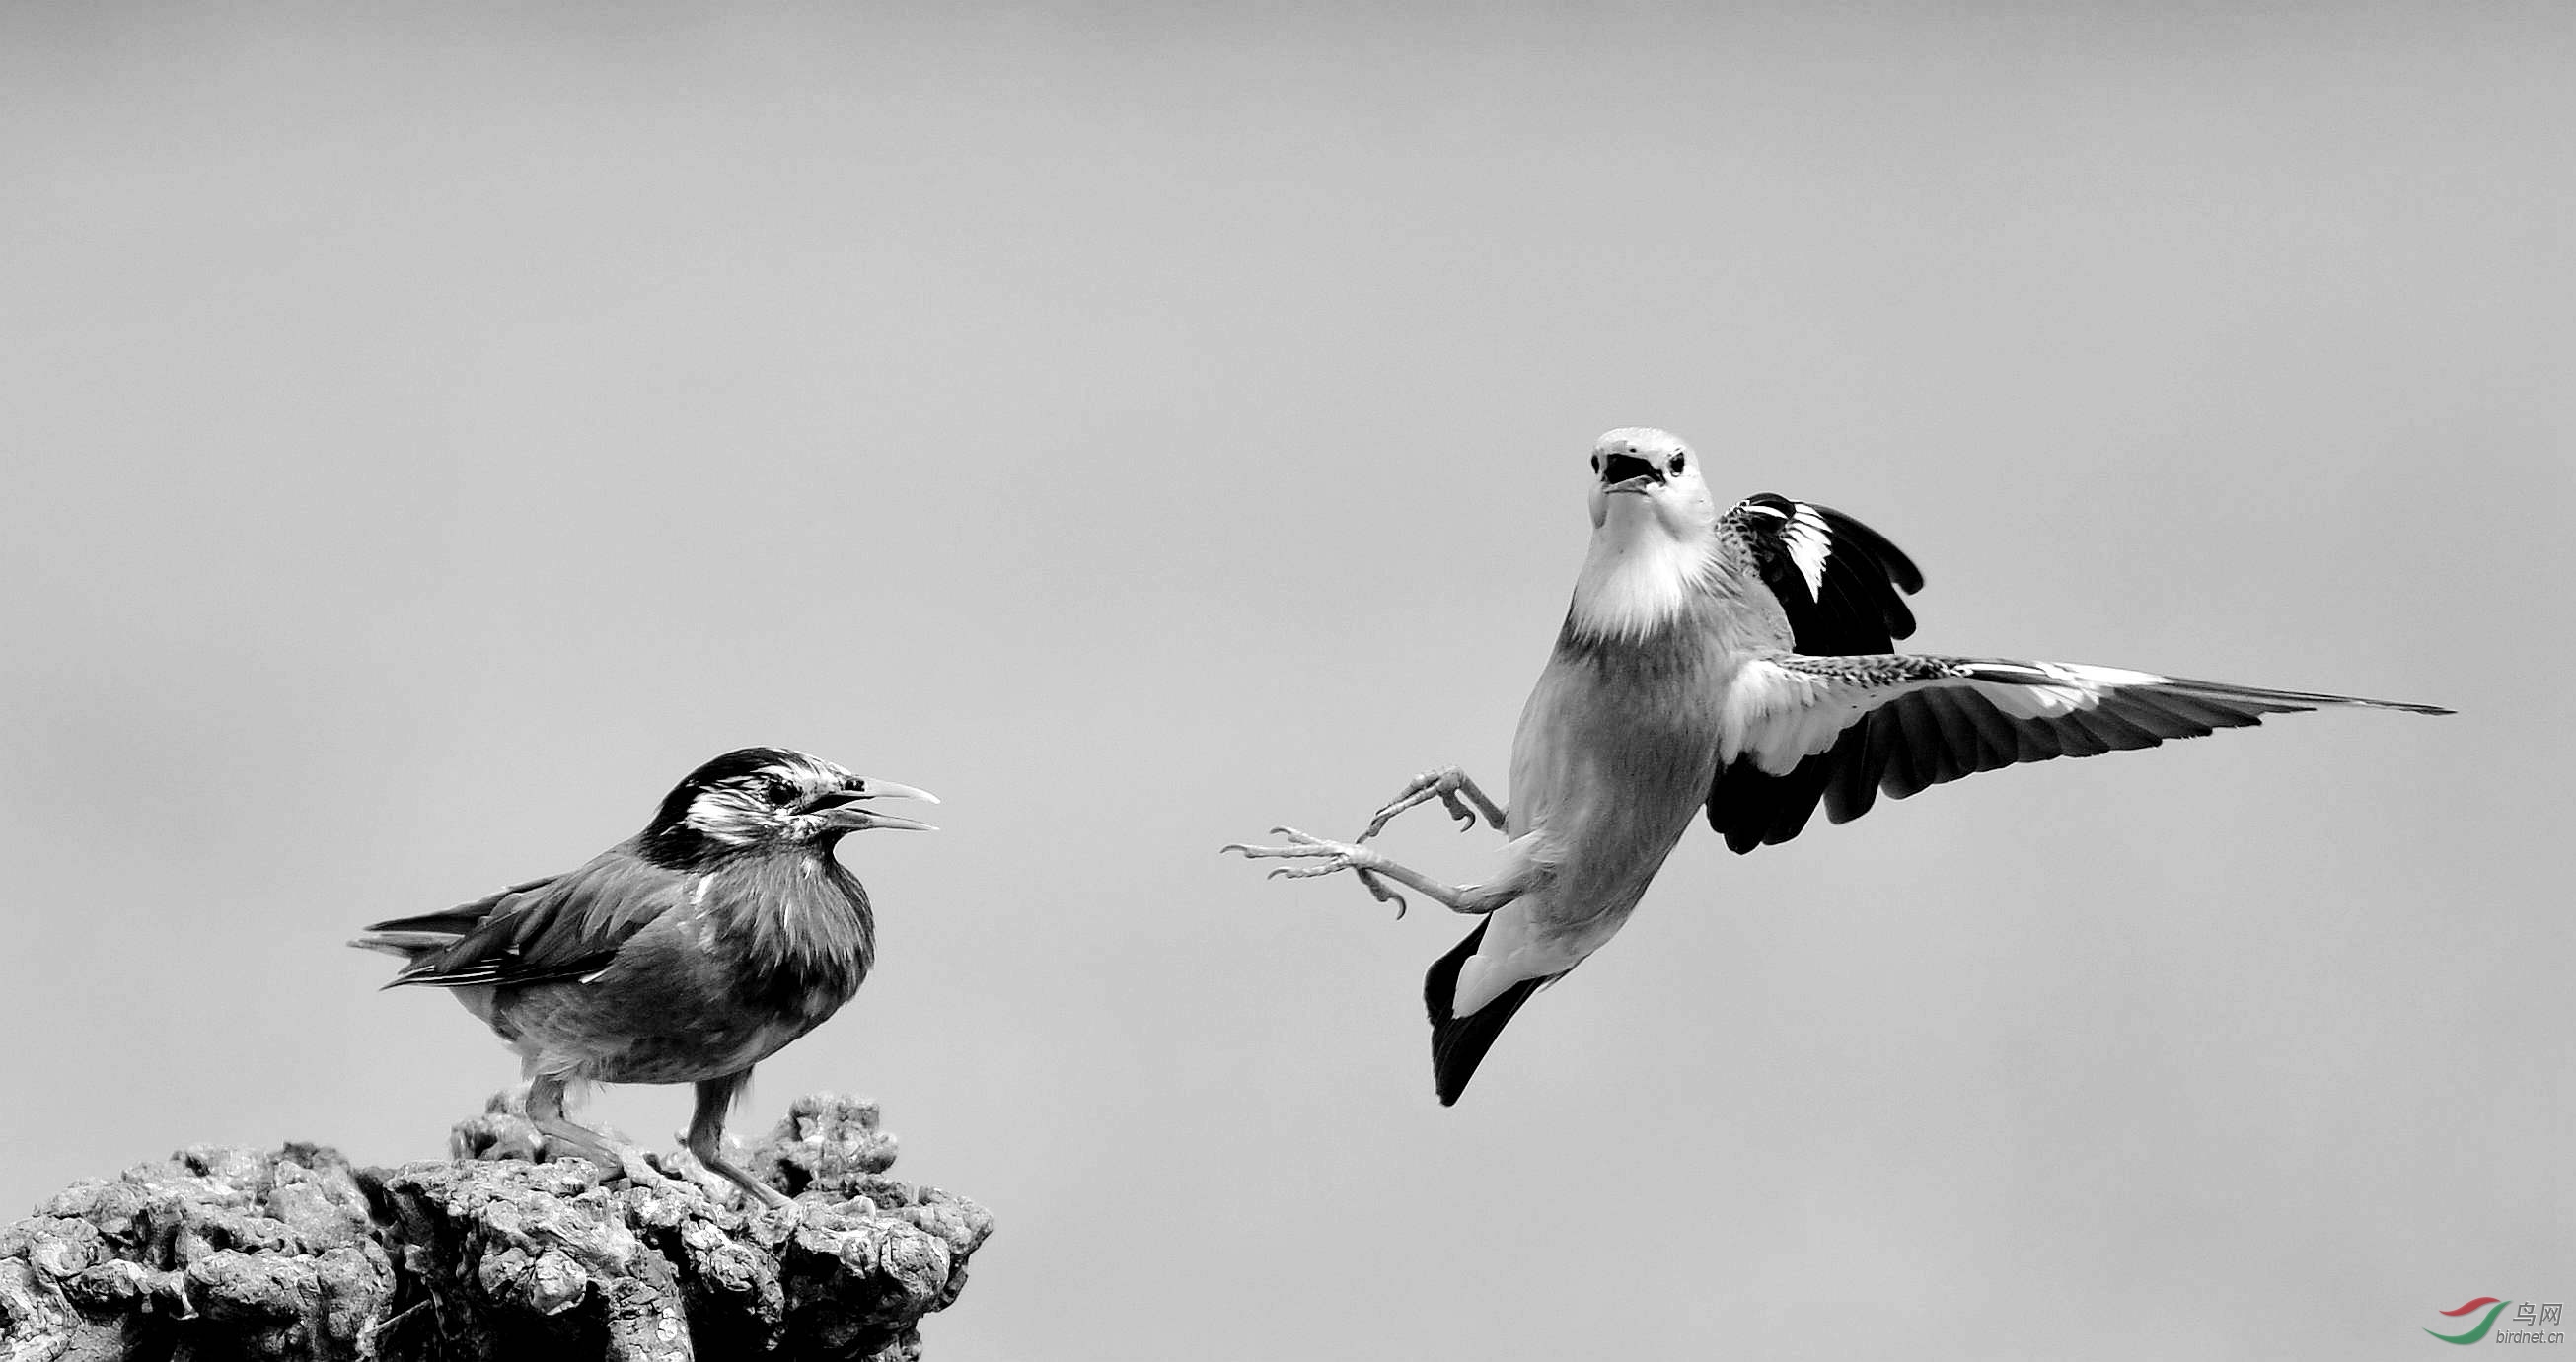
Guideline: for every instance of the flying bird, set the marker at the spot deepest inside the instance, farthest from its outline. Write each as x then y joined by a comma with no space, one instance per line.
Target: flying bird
1738,664
685,954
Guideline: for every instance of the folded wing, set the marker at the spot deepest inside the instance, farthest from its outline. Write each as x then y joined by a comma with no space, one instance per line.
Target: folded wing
564,927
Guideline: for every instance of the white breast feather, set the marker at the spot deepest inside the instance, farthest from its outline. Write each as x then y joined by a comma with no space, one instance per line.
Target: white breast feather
1628,590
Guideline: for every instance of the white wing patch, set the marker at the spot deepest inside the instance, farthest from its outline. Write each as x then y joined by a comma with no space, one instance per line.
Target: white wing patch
1810,544
2079,687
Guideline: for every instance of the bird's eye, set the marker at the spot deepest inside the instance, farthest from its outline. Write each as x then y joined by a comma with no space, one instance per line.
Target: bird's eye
1675,464
777,789
1596,463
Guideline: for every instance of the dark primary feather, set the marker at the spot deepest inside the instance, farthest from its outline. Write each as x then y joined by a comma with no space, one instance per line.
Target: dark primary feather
1919,738
1861,609
1458,1044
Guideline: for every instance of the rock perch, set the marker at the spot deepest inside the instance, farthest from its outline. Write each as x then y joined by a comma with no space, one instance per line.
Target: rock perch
293,1253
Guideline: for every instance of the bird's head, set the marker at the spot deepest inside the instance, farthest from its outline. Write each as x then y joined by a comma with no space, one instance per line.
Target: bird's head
770,797
1647,481
1654,536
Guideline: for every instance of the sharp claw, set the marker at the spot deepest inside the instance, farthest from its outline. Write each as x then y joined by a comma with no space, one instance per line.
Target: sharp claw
1377,887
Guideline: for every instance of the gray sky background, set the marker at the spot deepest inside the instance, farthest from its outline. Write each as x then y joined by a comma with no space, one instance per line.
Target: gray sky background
427,438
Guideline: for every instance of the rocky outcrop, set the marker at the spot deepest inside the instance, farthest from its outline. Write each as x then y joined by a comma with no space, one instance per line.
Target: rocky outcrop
294,1253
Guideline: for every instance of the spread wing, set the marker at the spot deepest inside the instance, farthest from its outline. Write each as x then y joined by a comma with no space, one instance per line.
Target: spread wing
1854,726
1844,716
1843,587
565,927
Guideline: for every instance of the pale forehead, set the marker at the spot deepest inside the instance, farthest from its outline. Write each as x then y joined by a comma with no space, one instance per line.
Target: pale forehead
1642,441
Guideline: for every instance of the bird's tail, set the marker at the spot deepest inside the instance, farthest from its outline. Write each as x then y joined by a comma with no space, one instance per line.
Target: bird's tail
1458,1044
414,937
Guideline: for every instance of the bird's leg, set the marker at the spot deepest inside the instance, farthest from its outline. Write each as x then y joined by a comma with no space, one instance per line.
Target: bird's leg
546,1113
1451,787
1368,864
706,1138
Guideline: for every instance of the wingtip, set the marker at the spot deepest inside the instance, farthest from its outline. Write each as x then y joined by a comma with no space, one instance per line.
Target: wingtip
2400,706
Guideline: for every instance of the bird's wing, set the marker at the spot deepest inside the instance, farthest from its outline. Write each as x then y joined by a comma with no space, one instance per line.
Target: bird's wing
1849,727
1842,586
412,938
564,927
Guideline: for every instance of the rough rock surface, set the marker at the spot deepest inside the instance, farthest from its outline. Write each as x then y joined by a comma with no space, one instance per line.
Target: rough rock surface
293,1253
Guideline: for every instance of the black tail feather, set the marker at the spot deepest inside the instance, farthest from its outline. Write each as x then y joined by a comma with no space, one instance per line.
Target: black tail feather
1458,1044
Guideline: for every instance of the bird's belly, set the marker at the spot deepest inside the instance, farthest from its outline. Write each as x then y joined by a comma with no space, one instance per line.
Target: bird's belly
1611,766
612,1035
1618,745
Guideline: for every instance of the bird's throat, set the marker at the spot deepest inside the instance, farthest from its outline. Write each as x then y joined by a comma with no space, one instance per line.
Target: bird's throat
1638,576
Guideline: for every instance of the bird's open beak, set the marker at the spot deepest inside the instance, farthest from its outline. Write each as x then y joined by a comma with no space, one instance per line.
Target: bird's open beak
1628,473
842,811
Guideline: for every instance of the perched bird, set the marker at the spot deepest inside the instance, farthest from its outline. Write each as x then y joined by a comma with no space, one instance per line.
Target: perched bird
684,954
1742,664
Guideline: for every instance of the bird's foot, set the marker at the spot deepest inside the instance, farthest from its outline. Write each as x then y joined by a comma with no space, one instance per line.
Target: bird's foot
1333,857
631,1163
1372,868
1452,788
758,1196
565,1139
613,1162
684,1166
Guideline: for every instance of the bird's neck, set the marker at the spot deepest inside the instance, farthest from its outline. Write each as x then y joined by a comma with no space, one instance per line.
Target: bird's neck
1638,579
674,845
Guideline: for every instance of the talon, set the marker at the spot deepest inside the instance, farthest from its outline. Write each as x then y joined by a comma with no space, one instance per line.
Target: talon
1376,886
